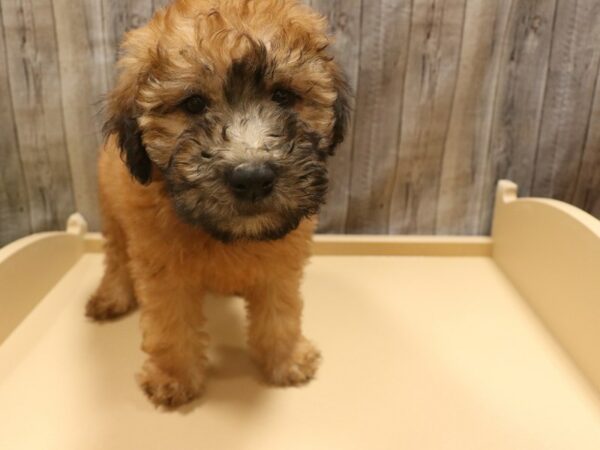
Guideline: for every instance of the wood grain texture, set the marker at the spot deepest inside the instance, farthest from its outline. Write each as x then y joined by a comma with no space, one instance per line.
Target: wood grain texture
344,17
434,52
385,29
450,96
519,100
587,186
467,143
120,16
14,204
158,4
36,96
83,68
568,103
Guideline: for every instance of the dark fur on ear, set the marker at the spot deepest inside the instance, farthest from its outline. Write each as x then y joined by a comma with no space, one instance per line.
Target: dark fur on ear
121,109
342,112
132,148
122,123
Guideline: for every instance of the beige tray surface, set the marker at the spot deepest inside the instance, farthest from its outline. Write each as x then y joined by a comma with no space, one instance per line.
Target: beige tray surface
420,352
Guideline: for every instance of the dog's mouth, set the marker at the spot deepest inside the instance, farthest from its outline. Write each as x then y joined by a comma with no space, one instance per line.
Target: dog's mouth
251,227
257,206
228,218
259,220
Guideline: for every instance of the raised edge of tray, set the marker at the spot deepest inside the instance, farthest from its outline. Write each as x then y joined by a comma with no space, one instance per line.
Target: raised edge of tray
31,266
550,251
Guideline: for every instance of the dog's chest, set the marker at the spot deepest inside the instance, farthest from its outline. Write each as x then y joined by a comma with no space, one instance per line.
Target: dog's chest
230,271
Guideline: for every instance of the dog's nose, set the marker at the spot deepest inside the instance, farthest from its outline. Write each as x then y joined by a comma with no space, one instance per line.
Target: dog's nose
252,181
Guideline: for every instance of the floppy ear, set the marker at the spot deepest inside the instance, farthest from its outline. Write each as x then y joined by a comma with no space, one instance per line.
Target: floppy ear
122,122
133,152
341,109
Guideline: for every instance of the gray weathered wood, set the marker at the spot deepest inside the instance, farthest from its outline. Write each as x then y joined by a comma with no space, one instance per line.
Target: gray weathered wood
438,120
36,94
519,100
120,16
383,60
567,106
434,52
83,69
14,204
587,186
467,143
344,19
157,4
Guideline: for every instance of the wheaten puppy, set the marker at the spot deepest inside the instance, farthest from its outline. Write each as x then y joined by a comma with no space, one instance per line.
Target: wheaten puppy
219,130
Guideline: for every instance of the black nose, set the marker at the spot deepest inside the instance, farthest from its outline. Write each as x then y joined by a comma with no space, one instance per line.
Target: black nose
252,181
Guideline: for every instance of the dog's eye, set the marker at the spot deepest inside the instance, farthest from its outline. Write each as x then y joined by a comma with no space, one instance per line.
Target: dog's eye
285,97
196,104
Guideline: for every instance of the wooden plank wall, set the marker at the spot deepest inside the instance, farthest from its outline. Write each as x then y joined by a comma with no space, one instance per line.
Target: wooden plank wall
450,96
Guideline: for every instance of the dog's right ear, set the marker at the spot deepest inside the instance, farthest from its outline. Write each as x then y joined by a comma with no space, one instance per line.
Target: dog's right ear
341,110
122,122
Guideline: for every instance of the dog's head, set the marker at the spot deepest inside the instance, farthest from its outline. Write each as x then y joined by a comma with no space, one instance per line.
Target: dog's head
236,105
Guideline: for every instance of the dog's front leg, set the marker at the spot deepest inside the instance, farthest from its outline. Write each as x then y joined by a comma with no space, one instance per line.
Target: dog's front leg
275,336
171,322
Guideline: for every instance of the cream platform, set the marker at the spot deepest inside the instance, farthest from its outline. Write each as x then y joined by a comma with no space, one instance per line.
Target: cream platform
428,343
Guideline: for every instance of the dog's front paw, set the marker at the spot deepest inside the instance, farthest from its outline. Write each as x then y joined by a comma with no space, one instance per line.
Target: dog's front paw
299,369
167,390
102,307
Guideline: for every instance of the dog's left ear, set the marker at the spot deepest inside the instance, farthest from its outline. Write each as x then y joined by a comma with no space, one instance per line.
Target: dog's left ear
341,109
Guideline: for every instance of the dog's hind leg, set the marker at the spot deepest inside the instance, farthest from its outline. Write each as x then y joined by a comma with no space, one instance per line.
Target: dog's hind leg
115,295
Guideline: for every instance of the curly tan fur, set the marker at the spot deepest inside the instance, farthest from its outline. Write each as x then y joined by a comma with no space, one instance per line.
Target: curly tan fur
174,230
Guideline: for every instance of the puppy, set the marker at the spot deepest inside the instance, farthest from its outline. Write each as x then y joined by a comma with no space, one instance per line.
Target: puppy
218,134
